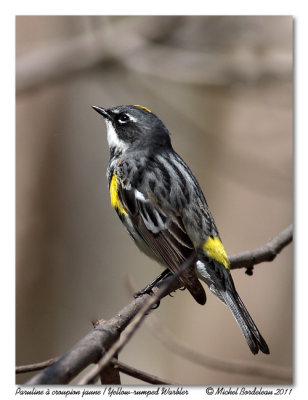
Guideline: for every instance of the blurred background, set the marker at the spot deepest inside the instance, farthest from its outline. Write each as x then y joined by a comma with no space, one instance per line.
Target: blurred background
223,85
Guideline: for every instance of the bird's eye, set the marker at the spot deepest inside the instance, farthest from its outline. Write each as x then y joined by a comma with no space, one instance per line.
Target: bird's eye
123,118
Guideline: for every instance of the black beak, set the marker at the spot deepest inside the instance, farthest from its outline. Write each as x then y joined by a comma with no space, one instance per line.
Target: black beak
102,111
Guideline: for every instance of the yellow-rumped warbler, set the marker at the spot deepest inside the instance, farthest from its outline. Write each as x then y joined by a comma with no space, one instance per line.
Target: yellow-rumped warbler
162,206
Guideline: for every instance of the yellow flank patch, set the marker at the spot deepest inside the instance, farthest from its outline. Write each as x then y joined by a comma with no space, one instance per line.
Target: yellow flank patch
144,108
215,249
114,198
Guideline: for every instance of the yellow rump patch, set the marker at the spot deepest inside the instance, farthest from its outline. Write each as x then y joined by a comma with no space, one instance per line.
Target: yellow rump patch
215,249
114,198
144,108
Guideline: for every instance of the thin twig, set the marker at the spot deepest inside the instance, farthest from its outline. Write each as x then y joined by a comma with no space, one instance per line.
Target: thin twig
136,373
36,366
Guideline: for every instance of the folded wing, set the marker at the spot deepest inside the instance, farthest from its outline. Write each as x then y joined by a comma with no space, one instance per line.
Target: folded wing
165,236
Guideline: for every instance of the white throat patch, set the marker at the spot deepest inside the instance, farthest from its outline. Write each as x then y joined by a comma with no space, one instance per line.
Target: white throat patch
113,139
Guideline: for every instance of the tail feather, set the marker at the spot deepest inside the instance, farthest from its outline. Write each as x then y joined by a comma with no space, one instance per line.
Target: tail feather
220,282
251,333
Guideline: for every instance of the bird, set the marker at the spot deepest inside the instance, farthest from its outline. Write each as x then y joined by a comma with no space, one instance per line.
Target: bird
161,204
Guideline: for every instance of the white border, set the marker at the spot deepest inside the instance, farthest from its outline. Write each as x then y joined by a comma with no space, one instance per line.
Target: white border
7,145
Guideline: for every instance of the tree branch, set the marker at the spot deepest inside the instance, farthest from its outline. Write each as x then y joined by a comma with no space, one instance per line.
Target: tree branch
268,252
104,338
150,302
105,333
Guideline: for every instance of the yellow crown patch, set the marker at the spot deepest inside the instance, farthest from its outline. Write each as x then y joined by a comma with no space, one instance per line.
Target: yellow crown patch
144,108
